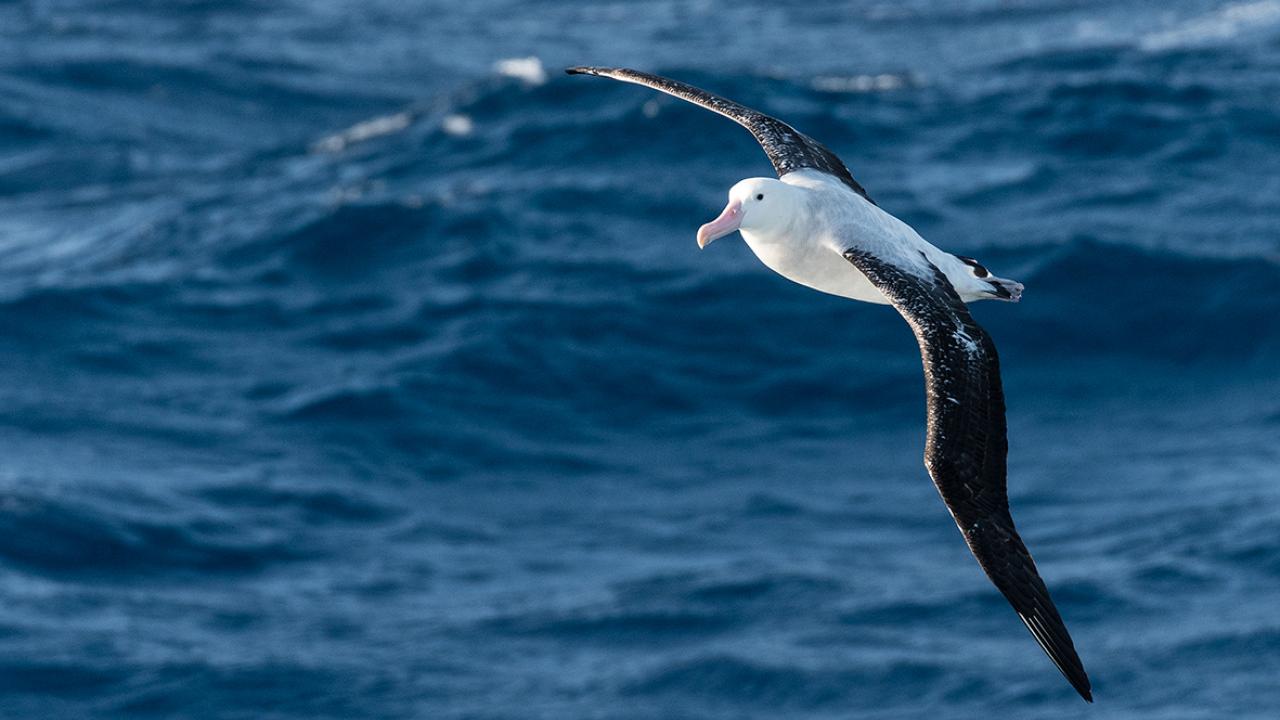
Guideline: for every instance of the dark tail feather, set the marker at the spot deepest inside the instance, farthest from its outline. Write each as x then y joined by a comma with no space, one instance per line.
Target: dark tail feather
1007,290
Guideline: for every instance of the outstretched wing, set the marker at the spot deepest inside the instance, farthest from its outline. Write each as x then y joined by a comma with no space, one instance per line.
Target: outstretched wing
966,448
788,149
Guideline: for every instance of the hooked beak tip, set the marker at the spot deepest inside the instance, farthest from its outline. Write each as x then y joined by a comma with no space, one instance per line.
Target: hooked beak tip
730,219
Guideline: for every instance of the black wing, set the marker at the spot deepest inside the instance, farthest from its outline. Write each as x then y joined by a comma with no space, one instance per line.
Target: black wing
966,448
788,149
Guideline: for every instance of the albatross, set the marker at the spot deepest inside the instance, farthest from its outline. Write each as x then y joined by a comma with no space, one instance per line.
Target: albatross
815,225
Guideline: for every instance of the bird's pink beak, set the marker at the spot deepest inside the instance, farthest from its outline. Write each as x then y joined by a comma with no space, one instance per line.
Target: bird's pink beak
728,221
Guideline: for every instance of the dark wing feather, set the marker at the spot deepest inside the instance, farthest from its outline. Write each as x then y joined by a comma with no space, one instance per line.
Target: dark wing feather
788,149
967,445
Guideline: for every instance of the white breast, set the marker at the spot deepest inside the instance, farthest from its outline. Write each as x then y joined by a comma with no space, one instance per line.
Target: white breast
813,265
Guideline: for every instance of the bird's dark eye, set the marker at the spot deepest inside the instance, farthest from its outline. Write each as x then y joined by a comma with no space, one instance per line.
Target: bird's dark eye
760,196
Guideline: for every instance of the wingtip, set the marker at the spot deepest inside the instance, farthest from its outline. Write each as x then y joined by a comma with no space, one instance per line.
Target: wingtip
1061,652
1083,686
1080,683
582,70
1077,677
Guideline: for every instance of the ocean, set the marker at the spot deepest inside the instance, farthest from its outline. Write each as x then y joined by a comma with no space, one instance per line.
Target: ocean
357,363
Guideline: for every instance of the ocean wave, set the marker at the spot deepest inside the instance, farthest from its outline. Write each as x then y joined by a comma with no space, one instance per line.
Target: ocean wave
66,537
759,685
1220,25
313,505
636,626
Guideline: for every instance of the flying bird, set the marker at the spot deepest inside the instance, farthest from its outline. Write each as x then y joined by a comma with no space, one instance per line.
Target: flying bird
817,226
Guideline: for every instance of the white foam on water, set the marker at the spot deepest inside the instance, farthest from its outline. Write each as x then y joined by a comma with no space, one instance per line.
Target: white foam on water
529,69
362,131
860,83
1225,23
458,125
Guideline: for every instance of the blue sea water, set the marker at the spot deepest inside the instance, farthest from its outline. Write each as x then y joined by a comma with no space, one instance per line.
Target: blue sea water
355,363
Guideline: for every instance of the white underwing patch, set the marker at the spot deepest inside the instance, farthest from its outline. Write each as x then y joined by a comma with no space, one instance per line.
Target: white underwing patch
967,342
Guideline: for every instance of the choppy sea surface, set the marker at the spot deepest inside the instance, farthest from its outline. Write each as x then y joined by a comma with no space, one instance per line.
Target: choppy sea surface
355,363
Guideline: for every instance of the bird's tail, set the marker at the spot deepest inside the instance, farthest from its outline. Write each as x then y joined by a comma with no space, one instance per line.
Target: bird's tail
1003,289
988,285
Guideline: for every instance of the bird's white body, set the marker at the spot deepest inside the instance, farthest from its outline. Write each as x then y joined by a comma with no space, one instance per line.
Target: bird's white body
803,234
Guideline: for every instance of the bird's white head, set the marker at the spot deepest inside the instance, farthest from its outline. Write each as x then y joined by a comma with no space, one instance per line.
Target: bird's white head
762,206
